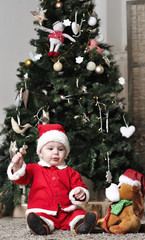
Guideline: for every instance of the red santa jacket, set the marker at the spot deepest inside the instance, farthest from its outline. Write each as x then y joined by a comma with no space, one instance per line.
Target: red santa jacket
50,187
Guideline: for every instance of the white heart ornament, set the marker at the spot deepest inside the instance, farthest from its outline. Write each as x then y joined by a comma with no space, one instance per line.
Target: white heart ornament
75,28
127,131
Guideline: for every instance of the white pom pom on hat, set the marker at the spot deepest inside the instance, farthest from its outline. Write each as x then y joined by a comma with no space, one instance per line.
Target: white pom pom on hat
52,133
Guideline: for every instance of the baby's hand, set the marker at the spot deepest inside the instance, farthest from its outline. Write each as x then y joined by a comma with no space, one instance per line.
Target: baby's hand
80,194
17,160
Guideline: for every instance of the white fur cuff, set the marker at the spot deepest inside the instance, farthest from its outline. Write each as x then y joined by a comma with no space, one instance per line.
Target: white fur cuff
17,174
77,202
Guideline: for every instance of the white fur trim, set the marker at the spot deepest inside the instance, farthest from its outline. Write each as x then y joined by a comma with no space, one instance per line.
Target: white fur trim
39,210
44,164
112,193
70,208
18,174
127,180
53,135
49,223
74,221
77,202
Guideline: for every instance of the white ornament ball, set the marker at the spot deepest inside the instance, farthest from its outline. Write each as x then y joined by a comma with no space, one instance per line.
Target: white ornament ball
57,66
91,66
99,69
92,21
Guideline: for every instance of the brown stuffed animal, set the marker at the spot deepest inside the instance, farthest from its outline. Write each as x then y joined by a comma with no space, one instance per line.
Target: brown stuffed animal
127,209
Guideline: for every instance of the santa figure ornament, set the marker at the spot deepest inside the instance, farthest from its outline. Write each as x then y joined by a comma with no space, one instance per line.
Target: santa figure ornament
56,37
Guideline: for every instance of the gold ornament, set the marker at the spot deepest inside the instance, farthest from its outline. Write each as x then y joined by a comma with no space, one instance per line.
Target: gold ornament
28,62
23,149
45,117
18,128
58,4
57,66
99,69
25,97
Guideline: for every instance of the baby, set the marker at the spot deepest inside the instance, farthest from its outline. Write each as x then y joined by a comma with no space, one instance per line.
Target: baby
56,190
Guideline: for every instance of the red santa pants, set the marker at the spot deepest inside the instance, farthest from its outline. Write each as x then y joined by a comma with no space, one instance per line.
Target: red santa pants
63,220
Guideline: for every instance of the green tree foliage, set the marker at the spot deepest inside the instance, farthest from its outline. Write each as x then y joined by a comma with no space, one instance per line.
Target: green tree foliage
85,102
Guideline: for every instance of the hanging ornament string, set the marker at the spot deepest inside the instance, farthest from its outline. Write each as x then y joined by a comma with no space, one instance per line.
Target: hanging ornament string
100,113
61,55
77,82
18,118
107,121
68,97
108,173
37,116
84,114
125,121
108,160
76,28
44,118
127,131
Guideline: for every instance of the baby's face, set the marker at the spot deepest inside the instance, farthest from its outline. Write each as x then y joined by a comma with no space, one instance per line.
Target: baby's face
53,153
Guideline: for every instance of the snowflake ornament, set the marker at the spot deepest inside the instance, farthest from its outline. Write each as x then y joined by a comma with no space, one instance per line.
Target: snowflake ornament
121,80
66,22
39,16
79,59
26,76
108,176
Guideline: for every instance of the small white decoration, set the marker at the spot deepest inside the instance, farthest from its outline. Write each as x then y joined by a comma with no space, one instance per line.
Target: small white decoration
79,59
66,22
106,52
84,89
99,38
75,26
26,76
19,98
44,91
108,176
34,56
127,131
121,80
92,21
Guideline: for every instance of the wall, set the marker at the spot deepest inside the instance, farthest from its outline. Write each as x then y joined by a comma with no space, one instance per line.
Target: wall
114,29
17,29
113,22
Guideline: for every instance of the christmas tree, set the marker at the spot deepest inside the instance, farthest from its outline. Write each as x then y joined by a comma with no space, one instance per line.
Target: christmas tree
70,79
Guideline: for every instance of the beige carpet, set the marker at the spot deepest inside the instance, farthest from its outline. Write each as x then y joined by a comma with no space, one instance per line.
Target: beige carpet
16,229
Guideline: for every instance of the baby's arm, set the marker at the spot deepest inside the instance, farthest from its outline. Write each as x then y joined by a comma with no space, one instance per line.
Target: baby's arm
17,162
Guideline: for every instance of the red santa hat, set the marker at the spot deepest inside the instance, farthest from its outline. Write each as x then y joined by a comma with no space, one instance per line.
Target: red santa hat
133,178
50,133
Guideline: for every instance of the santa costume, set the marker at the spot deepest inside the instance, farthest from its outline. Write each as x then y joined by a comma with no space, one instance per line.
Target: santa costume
51,199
